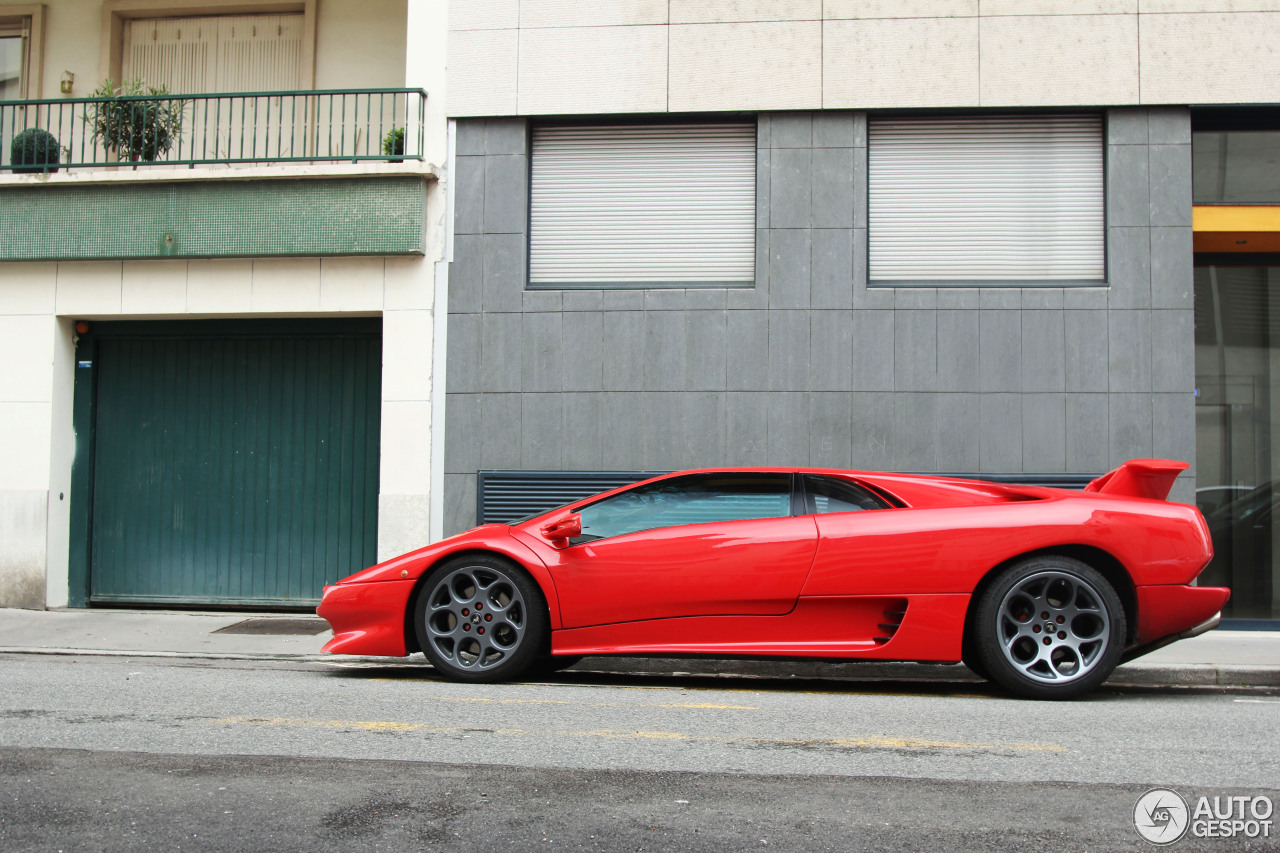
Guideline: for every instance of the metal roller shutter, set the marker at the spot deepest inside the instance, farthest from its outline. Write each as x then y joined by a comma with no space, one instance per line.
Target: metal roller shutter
993,198
233,462
660,205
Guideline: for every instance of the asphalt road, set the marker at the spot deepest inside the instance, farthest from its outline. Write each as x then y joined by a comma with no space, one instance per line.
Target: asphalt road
116,754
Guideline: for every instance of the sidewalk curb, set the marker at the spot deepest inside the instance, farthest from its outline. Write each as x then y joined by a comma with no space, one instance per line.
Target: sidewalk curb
1135,675
1215,675
134,653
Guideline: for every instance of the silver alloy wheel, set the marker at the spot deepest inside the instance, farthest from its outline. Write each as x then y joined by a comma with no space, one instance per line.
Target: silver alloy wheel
1053,627
476,618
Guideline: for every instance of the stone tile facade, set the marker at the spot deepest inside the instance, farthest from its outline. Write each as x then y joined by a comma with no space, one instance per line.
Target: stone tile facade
811,366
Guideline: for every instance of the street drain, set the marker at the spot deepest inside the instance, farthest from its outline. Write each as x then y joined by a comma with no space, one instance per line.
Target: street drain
299,627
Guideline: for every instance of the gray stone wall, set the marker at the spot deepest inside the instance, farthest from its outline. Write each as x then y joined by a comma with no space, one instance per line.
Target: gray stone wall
811,366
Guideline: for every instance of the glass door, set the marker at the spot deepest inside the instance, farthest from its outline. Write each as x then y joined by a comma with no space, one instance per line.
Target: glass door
1238,431
1236,195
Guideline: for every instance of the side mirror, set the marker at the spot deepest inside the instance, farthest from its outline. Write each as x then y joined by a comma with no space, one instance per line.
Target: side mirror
560,531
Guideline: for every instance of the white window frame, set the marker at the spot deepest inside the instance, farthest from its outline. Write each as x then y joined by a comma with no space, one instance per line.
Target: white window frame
991,200
27,22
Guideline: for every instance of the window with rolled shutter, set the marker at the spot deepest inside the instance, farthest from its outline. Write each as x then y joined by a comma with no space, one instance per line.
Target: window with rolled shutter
229,53
226,54
987,199
635,206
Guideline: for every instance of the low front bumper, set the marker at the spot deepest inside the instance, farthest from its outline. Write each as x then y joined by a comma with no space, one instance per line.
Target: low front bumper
367,618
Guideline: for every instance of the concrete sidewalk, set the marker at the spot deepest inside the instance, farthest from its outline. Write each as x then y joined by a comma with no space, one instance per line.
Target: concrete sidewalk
1219,658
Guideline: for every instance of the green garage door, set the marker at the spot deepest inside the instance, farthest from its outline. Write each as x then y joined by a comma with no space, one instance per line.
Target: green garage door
232,463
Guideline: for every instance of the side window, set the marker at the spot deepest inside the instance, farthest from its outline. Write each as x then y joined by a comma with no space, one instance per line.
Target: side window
696,499
827,494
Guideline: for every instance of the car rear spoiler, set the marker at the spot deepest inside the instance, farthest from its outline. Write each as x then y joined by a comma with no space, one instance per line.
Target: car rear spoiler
1140,478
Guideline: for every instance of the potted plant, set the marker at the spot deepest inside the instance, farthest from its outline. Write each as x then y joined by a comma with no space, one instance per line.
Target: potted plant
135,121
34,151
393,144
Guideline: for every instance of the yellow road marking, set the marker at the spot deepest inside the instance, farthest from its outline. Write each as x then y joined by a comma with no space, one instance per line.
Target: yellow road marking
489,701
610,733
869,742
918,743
695,705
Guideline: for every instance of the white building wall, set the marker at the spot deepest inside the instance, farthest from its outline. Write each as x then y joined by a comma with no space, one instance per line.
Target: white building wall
358,44
587,56
421,510
27,332
39,303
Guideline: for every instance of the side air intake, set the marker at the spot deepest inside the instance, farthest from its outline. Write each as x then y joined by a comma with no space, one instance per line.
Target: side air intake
893,616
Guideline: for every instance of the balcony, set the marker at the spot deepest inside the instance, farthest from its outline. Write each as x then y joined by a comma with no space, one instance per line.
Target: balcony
261,174
210,130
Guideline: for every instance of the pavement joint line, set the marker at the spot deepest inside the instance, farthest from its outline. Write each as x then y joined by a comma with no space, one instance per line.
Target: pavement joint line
1130,675
121,653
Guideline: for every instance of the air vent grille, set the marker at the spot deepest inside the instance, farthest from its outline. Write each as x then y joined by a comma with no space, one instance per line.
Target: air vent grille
507,496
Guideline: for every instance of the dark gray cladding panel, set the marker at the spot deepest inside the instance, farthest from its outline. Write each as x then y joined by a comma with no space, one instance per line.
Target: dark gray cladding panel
810,365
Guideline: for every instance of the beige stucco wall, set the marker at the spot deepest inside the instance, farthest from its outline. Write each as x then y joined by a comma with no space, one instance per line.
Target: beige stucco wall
359,43
70,44
582,56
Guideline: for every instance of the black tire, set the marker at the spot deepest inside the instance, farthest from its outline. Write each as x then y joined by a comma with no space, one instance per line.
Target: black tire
480,618
969,655
550,665
1049,628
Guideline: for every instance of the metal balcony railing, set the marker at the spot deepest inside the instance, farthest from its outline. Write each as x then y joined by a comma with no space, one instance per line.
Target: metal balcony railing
311,126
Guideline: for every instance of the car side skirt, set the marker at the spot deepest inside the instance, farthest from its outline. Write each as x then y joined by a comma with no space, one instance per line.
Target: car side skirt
914,627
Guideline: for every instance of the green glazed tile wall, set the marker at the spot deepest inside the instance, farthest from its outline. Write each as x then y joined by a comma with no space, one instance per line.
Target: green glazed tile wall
347,216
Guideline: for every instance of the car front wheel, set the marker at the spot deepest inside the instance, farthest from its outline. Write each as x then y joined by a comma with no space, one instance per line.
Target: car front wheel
480,618
1049,628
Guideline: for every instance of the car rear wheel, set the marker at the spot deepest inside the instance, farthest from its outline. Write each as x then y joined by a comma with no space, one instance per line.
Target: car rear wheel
1049,628
480,618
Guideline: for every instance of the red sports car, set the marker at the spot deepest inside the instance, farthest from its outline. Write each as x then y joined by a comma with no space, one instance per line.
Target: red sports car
1041,590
